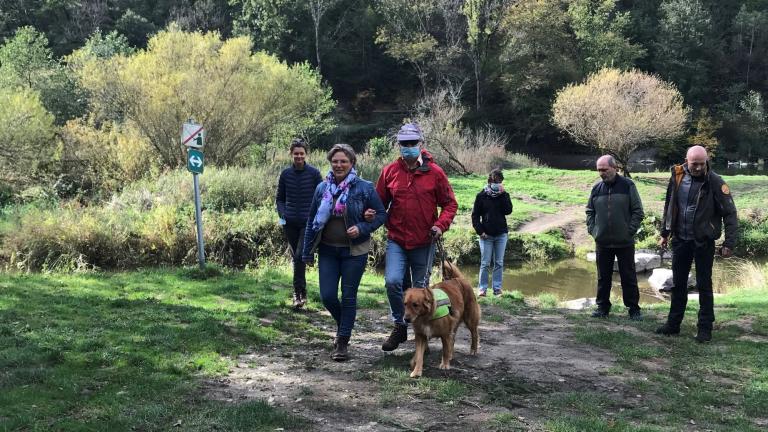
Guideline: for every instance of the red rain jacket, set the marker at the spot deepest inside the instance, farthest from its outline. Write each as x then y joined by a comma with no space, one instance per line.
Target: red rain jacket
412,199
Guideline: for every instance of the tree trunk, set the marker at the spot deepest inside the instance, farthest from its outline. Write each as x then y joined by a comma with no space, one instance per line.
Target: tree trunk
317,46
477,84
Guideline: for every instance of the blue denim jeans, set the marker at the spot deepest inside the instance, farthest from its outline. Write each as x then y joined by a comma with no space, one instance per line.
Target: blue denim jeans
334,264
492,254
398,262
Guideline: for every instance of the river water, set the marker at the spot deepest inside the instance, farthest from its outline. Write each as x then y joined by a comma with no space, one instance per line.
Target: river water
574,278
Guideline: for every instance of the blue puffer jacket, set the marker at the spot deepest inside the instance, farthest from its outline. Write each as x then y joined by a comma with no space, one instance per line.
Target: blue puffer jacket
361,196
294,193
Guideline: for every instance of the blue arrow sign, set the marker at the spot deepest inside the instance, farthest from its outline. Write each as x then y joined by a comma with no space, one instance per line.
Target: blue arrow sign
195,161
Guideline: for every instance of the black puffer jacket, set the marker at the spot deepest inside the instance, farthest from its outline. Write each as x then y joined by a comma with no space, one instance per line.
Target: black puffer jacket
489,213
294,193
714,205
614,213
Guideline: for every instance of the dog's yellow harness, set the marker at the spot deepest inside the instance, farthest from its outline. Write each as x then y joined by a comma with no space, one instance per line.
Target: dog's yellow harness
442,302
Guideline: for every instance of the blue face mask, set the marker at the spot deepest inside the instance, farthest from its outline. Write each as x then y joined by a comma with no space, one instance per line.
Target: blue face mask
495,187
410,152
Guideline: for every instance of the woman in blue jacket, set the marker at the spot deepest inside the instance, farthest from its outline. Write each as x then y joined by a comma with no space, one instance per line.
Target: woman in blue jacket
337,230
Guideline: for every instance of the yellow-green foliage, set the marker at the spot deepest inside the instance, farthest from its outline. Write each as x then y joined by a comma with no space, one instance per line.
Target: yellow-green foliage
26,133
243,99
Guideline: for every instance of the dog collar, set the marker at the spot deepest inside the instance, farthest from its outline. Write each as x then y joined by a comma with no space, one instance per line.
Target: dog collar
442,302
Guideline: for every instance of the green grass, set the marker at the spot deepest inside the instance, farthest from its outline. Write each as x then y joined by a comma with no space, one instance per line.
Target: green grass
127,351
547,300
396,384
722,385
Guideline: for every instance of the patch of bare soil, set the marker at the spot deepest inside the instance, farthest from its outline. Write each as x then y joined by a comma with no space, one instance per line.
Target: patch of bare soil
524,361
546,222
569,219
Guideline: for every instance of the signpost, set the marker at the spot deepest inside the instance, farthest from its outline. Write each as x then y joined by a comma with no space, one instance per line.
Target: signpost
193,136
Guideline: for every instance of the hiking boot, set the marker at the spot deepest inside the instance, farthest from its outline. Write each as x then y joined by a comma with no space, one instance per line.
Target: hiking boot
636,315
303,296
482,294
703,335
297,303
599,313
668,330
399,335
340,349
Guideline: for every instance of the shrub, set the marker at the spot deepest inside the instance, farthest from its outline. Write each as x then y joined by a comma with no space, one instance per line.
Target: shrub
221,189
380,148
461,245
456,148
520,160
72,238
753,233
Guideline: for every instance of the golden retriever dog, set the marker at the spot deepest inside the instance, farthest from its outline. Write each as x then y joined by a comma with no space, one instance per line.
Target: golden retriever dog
420,305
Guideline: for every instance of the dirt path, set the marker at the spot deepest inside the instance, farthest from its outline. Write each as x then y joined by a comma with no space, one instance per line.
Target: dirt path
546,222
524,359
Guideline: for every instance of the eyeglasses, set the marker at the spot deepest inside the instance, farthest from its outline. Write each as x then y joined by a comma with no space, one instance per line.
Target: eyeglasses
408,143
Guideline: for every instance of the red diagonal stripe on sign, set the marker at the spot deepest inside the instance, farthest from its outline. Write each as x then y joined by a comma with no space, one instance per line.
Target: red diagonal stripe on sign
192,136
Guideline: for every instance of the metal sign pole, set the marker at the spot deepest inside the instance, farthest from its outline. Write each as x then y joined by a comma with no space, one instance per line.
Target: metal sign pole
199,222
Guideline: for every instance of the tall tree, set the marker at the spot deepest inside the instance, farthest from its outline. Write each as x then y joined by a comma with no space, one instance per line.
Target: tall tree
537,57
684,45
27,61
752,38
428,35
483,22
318,8
601,32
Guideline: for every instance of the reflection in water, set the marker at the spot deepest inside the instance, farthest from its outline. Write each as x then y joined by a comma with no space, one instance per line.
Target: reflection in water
577,278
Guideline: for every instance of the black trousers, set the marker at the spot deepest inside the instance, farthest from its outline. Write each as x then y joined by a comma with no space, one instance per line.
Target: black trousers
684,253
294,234
629,290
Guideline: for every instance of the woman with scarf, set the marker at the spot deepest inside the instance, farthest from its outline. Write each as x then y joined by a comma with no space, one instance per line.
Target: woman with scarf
490,223
337,230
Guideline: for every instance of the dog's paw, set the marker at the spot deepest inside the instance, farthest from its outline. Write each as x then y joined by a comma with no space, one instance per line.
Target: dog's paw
415,374
473,352
445,366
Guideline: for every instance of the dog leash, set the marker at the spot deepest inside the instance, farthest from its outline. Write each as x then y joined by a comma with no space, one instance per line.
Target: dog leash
438,243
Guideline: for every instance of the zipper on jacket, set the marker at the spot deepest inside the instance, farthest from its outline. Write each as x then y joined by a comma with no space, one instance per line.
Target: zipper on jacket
610,190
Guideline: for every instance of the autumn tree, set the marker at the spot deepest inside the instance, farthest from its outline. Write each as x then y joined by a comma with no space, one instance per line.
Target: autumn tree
26,134
616,112
244,100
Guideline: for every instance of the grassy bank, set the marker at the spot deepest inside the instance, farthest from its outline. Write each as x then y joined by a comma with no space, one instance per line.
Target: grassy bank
131,351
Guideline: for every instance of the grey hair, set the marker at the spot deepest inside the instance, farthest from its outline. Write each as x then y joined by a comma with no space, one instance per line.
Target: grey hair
344,148
611,161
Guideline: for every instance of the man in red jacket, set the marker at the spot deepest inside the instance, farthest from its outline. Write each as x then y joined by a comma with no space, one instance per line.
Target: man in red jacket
412,188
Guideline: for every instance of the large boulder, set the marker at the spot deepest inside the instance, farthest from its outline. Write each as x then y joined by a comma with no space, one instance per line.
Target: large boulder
580,303
644,260
661,280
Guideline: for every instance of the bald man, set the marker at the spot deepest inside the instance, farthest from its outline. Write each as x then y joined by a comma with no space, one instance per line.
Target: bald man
614,214
697,205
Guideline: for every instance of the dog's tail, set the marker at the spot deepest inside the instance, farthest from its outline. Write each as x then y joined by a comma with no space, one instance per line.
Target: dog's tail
450,271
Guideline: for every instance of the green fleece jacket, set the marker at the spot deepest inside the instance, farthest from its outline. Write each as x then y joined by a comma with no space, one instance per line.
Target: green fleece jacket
614,213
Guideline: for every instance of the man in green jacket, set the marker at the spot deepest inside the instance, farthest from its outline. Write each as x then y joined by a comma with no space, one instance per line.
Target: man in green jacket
614,214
